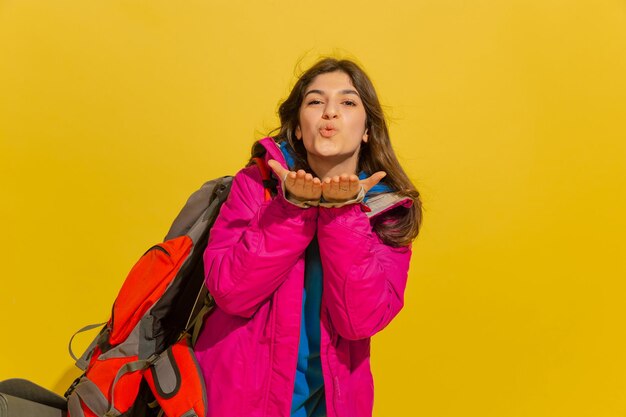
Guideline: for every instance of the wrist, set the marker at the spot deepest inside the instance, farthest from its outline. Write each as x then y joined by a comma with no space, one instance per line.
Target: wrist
340,203
298,201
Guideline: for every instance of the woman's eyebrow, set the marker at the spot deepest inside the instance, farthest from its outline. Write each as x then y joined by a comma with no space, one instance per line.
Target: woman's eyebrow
349,92
321,93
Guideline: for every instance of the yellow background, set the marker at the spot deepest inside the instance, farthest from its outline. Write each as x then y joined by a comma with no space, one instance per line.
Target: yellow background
509,116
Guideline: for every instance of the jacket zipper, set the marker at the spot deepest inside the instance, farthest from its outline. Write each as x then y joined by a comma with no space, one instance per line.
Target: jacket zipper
272,321
333,378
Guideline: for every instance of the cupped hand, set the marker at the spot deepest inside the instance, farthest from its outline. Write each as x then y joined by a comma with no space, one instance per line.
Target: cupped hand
300,184
346,187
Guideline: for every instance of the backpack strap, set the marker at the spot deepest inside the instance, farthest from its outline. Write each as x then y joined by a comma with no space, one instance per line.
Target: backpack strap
83,361
269,182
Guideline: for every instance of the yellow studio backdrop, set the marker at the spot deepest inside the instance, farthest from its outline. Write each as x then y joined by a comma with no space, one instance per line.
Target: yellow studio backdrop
508,115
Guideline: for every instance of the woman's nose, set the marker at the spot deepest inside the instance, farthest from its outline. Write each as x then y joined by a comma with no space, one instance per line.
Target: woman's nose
330,111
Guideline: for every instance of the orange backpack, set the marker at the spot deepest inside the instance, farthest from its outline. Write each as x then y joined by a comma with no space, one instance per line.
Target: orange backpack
144,352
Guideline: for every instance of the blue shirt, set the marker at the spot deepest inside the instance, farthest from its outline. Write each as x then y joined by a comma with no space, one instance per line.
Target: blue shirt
308,394
308,398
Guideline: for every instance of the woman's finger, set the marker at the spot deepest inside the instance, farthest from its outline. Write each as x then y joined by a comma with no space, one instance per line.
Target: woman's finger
308,183
344,184
374,179
335,184
278,169
290,179
354,183
300,180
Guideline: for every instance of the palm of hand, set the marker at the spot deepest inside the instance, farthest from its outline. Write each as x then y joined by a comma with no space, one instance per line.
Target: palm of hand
301,185
342,187
305,187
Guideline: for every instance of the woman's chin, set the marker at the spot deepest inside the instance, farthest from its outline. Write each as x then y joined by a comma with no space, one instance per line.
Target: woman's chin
324,153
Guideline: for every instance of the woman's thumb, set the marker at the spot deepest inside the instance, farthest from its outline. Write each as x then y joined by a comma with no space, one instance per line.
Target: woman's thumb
374,179
278,169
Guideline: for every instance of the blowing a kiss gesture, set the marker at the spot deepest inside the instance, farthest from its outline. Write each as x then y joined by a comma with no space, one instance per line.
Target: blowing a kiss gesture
332,125
304,280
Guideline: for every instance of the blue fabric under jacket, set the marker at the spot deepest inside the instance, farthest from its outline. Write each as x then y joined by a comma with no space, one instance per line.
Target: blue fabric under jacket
308,394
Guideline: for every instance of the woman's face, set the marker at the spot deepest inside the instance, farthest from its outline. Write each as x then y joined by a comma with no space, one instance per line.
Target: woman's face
332,119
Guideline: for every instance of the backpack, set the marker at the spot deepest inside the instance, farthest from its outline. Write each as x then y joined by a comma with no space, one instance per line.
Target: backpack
144,352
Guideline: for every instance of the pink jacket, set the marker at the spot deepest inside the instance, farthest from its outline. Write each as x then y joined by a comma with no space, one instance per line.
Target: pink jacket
255,270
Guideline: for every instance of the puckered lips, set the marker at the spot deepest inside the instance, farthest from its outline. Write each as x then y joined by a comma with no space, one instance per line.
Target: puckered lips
328,130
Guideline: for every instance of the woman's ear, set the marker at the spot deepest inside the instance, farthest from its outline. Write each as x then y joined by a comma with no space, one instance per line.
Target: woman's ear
298,132
365,137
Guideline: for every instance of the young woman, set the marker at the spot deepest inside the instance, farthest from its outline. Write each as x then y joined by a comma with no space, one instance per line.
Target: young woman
303,280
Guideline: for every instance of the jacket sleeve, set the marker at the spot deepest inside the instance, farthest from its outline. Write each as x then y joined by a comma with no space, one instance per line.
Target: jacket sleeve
364,279
253,245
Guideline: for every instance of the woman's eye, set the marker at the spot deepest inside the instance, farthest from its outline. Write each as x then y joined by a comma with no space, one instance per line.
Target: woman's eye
350,103
314,102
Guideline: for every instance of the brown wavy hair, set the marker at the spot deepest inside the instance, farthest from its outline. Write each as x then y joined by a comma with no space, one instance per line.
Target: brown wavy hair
397,227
